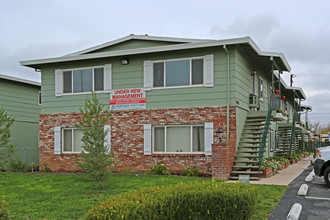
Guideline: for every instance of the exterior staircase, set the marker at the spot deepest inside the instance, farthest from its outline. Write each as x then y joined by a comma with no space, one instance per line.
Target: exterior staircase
247,157
282,146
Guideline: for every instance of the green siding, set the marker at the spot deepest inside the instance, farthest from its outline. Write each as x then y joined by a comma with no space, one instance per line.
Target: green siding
133,44
21,101
240,121
131,76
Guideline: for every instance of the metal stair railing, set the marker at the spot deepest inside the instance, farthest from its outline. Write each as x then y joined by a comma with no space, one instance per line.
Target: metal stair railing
262,145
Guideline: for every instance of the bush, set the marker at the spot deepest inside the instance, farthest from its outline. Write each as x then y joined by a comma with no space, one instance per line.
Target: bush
159,169
190,171
271,162
198,200
3,210
17,166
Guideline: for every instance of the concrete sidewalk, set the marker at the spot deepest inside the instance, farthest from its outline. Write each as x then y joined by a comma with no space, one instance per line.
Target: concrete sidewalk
286,176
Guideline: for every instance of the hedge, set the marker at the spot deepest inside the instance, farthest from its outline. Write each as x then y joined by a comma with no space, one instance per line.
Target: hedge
3,210
199,200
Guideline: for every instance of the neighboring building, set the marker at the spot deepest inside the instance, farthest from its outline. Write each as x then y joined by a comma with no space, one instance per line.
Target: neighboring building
169,97
20,98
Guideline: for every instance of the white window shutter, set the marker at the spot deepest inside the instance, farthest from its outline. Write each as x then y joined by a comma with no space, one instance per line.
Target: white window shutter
147,68
147,139
208,138
58,82
57,140
208,70
107,141
107,78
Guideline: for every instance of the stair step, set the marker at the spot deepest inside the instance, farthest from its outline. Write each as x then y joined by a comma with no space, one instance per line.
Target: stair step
246,167
244,146
250,142
255,119
251,178
247,156
245,172
246,161
247,151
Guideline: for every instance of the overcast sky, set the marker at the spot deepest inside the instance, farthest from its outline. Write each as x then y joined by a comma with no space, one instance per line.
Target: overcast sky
33,29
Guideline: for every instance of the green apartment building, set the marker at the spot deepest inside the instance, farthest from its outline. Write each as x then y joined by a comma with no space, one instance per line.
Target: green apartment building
21,99
169,97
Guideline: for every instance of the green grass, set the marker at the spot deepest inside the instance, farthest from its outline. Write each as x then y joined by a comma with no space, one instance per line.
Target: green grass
70,196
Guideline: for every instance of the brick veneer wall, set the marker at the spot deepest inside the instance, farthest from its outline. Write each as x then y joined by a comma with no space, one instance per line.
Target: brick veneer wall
127,137
223,156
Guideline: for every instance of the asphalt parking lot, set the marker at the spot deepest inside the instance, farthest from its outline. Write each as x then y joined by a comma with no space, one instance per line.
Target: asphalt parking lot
315,205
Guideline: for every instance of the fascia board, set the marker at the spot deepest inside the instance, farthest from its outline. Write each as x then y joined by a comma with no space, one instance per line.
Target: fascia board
136,37
20,80
244,40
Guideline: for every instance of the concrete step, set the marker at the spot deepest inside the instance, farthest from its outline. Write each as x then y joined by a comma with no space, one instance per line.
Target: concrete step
244,172
247,151
247,156
245,167
251,178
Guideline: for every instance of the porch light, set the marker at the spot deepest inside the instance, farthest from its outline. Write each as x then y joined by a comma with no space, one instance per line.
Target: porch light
124,61
220,134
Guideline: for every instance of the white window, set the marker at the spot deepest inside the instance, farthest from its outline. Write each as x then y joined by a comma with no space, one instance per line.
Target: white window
178,73
39,98
261,89
71,140
174,139
83,80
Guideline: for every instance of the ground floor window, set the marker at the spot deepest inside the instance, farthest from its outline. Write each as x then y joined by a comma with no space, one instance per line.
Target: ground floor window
173,139
71,141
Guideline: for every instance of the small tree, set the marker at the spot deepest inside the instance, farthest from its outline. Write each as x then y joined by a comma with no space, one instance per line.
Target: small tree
97,160
6,147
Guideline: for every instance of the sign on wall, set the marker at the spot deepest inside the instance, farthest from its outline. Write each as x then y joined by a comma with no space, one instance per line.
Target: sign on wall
123,99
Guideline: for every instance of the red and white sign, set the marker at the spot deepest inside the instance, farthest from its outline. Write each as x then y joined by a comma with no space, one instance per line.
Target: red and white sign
122,99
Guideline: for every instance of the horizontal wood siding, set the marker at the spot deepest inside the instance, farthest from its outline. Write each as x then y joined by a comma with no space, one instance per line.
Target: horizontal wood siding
20,100
131,76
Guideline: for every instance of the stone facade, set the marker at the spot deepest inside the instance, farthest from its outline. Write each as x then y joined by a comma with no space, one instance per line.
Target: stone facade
127,133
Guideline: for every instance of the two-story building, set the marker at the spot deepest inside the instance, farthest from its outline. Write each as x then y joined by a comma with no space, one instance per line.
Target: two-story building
168,97
21,99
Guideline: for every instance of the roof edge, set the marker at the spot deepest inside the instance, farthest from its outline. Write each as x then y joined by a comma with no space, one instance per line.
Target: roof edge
199,44
20,80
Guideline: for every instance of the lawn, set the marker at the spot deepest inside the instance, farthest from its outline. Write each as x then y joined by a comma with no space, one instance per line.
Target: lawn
70,196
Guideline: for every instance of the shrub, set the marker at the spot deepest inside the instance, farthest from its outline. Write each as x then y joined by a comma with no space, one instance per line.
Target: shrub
159,169
271,162
198,200
190,171
17,166
3,210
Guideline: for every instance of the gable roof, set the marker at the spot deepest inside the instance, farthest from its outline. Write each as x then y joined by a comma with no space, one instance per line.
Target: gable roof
247,44
136,37
20,80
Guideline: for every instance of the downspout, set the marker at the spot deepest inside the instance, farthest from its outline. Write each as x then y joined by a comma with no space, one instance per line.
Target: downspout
228,90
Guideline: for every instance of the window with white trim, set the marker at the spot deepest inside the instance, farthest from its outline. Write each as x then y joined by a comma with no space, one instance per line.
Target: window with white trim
183,72
177,139
83,80
261,88
71,140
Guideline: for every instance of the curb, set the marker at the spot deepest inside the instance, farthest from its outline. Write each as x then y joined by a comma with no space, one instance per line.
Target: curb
294,212
310,176
303,190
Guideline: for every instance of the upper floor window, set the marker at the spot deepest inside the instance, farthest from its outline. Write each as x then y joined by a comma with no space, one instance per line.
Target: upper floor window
83,80
261,88
178,73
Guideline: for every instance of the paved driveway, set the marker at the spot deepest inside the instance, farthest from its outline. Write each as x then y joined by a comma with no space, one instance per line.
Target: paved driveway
316,205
